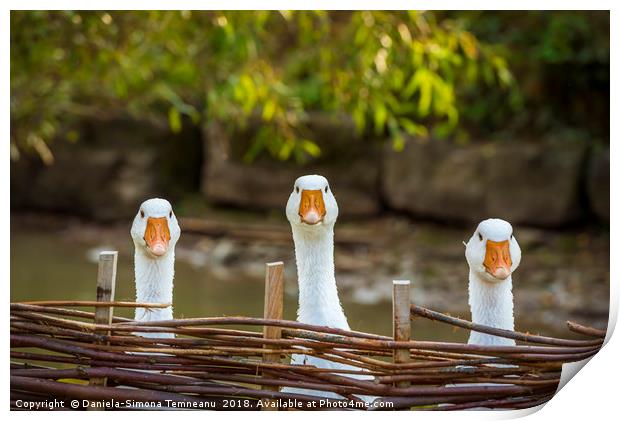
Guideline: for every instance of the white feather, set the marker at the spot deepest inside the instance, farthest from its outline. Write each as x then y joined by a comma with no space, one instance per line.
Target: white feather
319,303
490,298
154,275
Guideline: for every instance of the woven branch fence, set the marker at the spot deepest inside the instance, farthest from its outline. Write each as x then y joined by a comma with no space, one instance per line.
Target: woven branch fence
59,352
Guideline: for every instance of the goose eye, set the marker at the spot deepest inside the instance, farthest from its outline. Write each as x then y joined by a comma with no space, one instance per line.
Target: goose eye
326,189
170,214
141,213
297,189
512,236
480,236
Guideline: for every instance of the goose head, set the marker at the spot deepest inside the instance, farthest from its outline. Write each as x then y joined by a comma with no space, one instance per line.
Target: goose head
155,229
311,204
492,252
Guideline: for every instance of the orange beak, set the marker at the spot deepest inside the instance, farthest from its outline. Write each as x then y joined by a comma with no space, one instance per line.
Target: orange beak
497,259
311,208
157,235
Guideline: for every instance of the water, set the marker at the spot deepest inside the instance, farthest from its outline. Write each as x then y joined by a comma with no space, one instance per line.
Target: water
46,266
60,264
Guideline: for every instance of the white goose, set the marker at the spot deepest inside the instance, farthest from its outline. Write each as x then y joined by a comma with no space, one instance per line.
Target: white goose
493,254
312,211
155,232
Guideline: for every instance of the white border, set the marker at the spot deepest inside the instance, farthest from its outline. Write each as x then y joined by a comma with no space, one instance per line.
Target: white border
590,395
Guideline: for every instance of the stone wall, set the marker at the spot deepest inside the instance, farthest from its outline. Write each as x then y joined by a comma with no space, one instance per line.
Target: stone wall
597,183
351,165
536,183
112,168
547,183
117,164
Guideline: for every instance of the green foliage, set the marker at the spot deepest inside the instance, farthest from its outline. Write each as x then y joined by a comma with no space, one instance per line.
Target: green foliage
560,61
392,73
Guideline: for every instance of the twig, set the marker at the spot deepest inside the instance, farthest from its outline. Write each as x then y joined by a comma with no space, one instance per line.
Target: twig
525,337
94,304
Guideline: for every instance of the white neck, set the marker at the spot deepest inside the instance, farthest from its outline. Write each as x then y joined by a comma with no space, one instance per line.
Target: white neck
491,305
318,295
154,279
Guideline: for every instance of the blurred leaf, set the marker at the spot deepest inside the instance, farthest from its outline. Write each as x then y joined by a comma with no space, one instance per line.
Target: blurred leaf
380,117
311,148
269,109
398,142
174,120
392,72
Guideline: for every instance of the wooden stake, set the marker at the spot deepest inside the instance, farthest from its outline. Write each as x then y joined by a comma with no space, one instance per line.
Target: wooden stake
401,303
274,307
106,283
